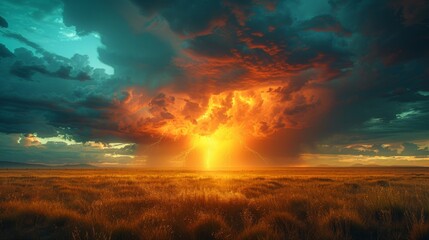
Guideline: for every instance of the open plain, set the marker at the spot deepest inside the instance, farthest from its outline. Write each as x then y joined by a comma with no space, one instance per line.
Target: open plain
286,203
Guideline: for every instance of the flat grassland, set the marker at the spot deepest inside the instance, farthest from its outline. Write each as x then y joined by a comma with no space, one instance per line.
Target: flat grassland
287,203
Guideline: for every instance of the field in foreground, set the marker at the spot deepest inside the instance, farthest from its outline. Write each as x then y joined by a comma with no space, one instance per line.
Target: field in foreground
291,203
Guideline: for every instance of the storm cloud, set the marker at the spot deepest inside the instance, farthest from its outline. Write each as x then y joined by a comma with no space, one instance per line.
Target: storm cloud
333,77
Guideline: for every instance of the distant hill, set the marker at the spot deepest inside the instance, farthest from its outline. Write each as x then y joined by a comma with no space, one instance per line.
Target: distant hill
324,165
367,165
358,165
15,165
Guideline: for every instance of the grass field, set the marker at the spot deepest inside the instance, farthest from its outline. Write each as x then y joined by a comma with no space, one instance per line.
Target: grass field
291,203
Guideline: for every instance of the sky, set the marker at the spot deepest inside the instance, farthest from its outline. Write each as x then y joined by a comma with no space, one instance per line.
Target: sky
213,84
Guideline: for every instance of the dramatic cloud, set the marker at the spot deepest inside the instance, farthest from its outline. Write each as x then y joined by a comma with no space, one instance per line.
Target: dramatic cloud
263,82
3,22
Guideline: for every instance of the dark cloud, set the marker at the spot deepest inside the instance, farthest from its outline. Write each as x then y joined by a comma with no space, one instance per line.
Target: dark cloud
26,68
49,58
386,80
26,72
391,36
4,52
139,48
3,22
159,106
187,17
84,120
48,104
24,40
194,18
37,9
325,23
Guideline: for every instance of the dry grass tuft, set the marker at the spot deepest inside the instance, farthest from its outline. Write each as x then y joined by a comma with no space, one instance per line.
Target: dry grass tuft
124,232
299,207
209,227
420,232
345,225
260,231
286,226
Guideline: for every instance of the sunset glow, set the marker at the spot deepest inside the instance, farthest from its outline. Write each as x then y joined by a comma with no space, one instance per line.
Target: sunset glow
218,126
212,84
216,149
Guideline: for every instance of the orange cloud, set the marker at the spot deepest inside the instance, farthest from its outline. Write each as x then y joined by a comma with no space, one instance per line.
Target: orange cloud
219,123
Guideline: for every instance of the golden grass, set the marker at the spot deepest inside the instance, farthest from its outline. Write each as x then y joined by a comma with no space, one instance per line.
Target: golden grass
292,203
